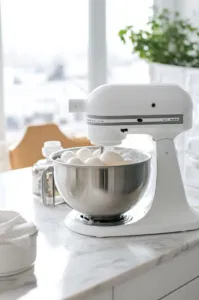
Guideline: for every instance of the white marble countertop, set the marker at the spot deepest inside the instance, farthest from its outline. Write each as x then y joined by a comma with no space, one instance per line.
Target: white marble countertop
70,266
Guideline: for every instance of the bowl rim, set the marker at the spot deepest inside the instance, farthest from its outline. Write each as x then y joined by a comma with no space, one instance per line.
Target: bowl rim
57,153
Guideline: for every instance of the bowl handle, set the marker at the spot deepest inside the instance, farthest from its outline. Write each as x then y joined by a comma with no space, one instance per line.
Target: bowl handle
48,188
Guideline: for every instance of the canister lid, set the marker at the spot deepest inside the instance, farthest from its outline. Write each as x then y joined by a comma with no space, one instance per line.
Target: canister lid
50,147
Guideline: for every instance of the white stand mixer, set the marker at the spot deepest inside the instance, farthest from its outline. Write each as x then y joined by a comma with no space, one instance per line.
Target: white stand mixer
163,111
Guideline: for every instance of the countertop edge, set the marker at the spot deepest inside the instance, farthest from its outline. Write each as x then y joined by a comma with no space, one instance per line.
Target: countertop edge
129,274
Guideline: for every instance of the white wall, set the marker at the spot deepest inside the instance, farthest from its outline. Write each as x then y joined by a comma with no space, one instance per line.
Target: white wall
170,4
190,9
187,8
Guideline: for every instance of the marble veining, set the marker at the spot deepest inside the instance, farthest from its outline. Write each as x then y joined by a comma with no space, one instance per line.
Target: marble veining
69,265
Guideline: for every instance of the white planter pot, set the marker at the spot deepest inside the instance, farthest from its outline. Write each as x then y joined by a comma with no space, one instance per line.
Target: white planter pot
187,78
168,74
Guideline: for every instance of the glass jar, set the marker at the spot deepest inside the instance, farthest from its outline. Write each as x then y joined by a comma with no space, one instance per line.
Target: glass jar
42,176
37,171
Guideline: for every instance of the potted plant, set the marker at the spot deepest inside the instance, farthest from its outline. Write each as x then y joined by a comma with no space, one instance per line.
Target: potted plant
170,44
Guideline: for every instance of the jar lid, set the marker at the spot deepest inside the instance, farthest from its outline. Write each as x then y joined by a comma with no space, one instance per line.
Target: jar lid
50,147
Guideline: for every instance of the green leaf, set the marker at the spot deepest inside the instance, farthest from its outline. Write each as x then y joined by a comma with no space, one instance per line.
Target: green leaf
167,38
122,32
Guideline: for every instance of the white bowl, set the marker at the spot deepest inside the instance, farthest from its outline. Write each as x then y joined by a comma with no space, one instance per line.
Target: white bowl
15,259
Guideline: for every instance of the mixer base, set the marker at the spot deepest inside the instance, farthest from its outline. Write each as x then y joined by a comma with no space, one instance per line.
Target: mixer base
104,221
141,225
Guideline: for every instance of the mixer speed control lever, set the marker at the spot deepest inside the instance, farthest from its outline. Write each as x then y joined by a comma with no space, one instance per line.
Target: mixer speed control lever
77,105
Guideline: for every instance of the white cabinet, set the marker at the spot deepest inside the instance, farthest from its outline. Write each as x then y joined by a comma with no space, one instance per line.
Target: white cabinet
189,291
106,295
176,279
163,279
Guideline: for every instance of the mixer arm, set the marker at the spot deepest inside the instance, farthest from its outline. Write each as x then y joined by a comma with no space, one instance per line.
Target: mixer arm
169,193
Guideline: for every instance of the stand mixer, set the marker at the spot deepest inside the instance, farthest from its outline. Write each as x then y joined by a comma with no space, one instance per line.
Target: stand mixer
162,111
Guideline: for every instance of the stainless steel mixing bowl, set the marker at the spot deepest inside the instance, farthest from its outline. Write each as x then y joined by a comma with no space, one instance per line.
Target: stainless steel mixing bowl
102,192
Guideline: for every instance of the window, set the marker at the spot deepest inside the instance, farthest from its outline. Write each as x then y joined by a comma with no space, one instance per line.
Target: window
123,66
45,46
45,60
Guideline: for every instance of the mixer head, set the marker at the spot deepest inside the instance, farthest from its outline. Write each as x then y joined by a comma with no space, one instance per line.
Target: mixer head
113,111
